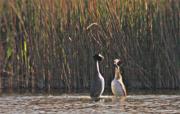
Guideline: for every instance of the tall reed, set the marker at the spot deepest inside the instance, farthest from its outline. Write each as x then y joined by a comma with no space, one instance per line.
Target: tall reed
50,44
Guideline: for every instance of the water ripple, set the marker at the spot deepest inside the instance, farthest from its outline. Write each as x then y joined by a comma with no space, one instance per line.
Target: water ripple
81,104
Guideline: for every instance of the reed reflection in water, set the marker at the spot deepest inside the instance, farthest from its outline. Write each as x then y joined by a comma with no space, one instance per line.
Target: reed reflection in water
81,104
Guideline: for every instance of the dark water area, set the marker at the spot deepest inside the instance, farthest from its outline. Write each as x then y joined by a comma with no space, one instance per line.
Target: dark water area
164,101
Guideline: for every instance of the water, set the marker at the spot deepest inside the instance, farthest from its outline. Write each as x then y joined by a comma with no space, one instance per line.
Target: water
82,104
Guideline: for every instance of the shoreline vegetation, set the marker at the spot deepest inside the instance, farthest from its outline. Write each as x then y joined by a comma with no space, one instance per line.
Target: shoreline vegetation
49,44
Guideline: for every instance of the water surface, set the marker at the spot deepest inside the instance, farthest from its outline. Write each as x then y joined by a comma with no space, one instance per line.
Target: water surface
82,104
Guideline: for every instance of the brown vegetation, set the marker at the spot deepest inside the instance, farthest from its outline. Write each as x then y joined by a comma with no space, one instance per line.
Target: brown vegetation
50,44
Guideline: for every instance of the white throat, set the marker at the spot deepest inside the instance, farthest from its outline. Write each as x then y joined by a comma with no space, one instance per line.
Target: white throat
98,71
97,65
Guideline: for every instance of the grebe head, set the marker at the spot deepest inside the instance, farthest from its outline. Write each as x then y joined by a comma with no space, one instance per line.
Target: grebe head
117,62
98,57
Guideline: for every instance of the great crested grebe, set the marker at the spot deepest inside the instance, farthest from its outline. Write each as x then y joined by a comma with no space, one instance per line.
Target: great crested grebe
117,86
97,84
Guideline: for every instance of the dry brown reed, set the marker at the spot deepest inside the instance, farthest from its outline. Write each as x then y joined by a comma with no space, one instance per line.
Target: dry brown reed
49,44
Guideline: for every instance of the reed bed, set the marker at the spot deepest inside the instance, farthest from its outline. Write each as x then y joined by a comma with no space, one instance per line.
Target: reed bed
49,44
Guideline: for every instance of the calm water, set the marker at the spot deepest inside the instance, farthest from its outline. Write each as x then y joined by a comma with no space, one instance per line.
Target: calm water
82,104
